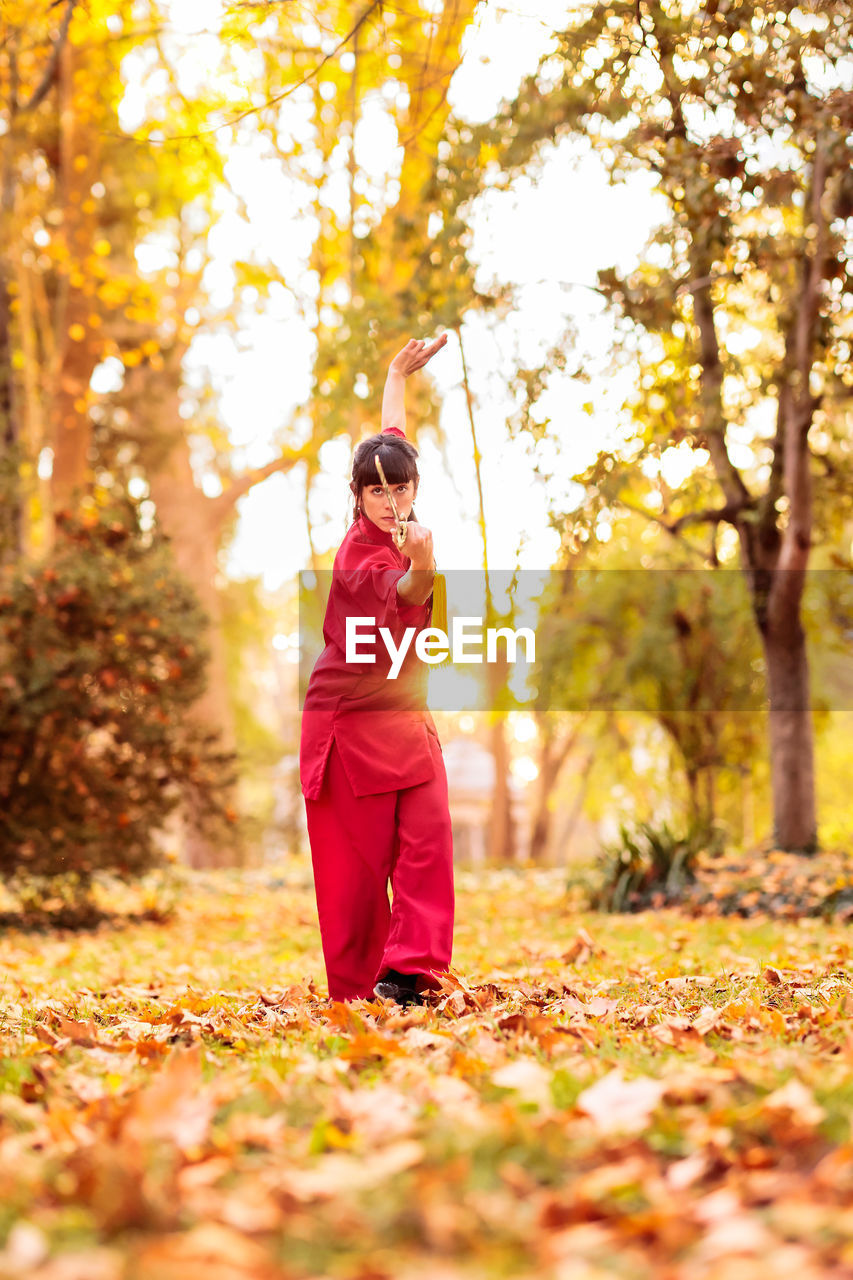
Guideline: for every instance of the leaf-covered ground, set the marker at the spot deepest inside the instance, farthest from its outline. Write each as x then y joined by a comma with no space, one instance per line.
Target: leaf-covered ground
590,1096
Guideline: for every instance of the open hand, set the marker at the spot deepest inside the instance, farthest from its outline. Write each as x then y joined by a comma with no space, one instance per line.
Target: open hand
415,354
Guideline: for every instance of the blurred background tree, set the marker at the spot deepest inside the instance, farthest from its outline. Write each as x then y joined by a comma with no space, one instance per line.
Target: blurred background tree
739,317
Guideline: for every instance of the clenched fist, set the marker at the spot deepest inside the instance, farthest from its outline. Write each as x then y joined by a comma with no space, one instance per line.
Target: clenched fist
418,545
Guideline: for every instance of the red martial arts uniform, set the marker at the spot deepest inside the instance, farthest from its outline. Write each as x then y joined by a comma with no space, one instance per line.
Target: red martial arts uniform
375,787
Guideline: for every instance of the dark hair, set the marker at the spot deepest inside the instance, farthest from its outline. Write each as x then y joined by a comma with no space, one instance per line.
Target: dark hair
398,462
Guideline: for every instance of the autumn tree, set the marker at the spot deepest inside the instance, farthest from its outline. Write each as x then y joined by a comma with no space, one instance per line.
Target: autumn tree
72,212
740,313
670,641
80,198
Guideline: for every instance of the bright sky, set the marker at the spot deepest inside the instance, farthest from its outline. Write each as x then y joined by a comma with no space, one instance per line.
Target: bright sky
548,235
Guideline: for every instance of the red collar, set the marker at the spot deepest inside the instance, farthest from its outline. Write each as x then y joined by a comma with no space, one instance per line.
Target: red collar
367,529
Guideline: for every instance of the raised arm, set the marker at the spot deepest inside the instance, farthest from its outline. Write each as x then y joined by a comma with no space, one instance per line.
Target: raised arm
414,355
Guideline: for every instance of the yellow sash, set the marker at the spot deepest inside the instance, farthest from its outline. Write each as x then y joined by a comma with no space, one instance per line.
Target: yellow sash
439,611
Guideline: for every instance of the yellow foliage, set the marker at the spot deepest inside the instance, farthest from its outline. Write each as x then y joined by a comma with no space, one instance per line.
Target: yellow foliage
113,292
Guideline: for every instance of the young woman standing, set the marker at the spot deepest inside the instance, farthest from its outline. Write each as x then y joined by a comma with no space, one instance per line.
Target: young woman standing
371,766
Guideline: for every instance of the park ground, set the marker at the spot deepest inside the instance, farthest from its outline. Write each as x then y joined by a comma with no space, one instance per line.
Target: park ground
654,1095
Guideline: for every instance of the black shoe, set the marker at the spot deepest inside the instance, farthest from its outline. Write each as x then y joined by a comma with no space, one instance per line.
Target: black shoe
399,987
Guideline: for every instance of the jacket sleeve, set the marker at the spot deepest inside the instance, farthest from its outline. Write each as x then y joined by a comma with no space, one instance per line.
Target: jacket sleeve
369,590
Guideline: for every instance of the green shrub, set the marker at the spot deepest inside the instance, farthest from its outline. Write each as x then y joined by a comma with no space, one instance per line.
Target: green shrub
100,662
650,864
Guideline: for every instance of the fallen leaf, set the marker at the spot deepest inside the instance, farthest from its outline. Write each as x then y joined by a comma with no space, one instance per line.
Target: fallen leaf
615,1104
796,1102
175,1106
337,1173
528,1078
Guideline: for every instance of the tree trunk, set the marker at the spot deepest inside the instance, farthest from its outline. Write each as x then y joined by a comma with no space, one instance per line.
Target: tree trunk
77,343
775,558
791,738
692,776
552,756
502,828
10,508
747,801
152,398
193,524
182,512
776,569
577,805
710,795
540,834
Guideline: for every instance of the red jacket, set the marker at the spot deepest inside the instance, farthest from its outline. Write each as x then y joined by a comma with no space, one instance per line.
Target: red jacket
381,726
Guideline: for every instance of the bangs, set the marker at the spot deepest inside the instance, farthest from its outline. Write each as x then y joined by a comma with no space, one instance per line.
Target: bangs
397,467
398,458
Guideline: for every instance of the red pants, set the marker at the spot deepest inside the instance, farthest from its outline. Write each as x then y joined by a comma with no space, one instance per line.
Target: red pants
357,844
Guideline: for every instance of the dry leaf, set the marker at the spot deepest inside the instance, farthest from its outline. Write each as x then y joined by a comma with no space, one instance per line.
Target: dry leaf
337,1173
616,1104
795,1101
528,1078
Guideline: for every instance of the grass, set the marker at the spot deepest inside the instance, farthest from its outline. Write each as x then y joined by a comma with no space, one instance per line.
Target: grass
590,1096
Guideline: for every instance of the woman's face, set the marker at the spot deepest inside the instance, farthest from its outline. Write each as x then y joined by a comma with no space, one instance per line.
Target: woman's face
377,508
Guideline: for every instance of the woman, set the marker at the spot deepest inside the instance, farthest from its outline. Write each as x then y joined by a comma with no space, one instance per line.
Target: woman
371,766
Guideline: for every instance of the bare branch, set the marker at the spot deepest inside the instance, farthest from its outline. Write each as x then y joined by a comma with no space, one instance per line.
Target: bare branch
795,396
568,745
730,512
730,479
714,423
221,506
270,102
43,88
809,307
664,524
